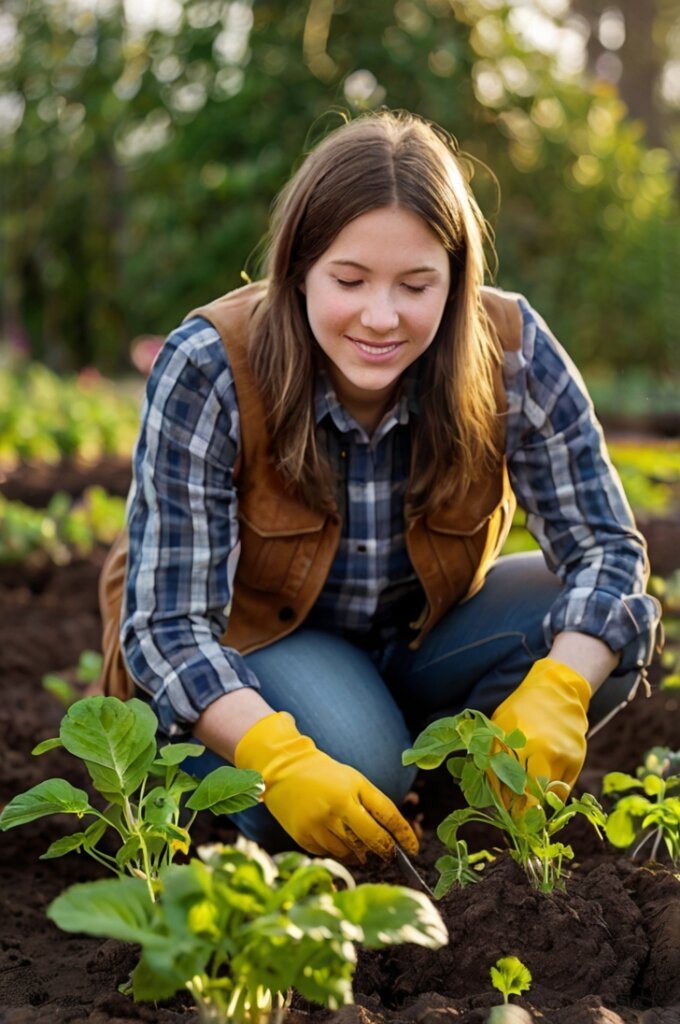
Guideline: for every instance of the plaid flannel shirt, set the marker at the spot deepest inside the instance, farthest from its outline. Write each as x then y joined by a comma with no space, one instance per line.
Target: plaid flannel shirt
184,536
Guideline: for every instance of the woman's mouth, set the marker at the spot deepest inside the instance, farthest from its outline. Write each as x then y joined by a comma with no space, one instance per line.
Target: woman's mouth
376,352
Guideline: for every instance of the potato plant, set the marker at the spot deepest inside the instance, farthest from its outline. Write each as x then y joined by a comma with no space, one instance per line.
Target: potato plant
647,805
239,929
484,761
144,789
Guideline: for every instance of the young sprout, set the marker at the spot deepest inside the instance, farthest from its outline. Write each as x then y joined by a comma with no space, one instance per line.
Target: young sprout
484,760
652,814
510,977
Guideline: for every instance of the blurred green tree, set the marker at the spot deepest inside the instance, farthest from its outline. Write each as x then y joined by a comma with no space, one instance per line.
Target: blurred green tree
139,160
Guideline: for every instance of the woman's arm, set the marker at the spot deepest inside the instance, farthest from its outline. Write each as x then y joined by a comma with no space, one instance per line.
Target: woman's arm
587,655
183,532
577,510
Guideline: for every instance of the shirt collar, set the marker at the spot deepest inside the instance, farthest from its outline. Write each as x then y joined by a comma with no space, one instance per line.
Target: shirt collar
326,402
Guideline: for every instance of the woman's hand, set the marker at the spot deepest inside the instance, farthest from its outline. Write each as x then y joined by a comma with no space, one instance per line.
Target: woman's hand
327,807
550,707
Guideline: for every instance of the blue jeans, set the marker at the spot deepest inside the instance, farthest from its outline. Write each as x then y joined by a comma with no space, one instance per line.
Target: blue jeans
365,707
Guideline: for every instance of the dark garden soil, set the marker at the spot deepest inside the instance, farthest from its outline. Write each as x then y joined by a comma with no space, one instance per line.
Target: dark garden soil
606,951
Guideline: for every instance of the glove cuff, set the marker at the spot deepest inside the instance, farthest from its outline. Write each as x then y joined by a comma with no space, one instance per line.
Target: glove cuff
555,674
267,739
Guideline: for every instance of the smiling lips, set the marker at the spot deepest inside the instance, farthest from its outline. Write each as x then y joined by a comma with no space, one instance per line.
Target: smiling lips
376,351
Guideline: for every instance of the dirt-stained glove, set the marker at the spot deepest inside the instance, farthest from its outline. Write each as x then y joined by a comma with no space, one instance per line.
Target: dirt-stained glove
549,706
327,807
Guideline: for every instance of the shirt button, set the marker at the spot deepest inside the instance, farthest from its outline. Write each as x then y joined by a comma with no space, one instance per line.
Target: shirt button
362,548
286,613
640,662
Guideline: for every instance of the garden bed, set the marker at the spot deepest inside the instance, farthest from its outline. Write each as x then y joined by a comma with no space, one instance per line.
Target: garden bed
605,952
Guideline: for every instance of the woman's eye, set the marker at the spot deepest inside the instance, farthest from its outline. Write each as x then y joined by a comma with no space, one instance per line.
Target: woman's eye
415,287
347,284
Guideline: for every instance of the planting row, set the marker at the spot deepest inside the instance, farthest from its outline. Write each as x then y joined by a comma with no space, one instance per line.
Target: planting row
66,527
239,929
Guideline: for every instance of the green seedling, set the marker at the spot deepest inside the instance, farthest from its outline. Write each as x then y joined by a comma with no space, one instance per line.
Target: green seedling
488,768
652,814
87,671
239,929
510,977
144,790
459,867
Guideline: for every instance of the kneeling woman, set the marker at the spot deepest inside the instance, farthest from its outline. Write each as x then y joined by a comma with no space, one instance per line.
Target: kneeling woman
327,468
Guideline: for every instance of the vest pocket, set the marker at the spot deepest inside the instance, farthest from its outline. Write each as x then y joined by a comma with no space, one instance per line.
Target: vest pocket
276,561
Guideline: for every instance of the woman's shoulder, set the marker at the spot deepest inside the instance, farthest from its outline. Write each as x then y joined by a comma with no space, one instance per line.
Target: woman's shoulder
504,311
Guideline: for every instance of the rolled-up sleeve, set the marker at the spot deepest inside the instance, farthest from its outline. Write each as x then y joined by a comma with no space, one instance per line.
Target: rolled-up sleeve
183,532
576,507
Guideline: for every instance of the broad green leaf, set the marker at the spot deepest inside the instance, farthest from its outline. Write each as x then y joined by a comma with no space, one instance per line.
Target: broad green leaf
176,837
533,820
54,796
159,805
316,918
67,844
553,800
615,782
447,830
455,766
227,790
620,828
118,908
182,783
116,740
93,833
475,786
434,744
175,753
46,745
653,785
635,804
150,986
515,739
510,976
390,914
128,851
509,771
481,741
310,878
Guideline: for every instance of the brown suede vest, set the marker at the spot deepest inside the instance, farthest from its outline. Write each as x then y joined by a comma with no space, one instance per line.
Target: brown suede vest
287,548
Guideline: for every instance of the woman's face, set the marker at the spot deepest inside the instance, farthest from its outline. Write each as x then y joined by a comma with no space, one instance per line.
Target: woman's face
374,302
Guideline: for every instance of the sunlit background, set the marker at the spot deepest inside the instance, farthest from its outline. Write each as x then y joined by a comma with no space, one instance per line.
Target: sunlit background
141,145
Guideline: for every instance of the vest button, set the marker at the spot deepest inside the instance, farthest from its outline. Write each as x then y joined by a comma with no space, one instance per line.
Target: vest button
286,613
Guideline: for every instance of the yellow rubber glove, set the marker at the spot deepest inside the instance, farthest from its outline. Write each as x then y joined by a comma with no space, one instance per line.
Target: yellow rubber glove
327,807
549,706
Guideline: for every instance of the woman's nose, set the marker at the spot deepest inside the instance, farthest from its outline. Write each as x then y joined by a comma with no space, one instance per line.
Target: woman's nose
380,314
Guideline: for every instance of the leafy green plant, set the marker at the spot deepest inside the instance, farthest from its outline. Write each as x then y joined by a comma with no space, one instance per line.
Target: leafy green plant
239,929
65,526
652,814
510,977
143,789
484,760
46,418
87,672
459,867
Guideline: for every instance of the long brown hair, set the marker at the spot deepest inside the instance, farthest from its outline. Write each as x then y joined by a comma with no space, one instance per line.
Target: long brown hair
379,160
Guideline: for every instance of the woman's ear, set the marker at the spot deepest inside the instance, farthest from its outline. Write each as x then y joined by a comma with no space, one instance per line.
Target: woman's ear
302,288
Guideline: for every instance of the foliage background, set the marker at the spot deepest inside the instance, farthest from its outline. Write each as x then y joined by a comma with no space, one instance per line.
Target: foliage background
140,151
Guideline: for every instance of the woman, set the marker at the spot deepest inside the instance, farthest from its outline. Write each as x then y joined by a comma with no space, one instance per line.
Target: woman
326,471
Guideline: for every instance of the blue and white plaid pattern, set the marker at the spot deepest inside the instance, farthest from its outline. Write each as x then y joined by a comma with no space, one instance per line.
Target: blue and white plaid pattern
182,516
